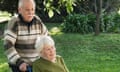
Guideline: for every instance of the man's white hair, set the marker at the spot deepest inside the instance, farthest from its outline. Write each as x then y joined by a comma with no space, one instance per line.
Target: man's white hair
21,2
42,41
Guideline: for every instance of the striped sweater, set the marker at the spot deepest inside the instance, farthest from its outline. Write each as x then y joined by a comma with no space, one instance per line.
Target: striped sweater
20,37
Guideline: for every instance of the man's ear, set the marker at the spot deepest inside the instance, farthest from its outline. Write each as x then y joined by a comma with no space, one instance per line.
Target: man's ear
19,10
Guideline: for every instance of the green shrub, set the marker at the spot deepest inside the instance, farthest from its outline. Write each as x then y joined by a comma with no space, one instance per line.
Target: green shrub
111,23
2,27
85,23
77,23
106,22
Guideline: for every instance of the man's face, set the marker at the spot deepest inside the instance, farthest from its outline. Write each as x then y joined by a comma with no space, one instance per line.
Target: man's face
49,52
27,10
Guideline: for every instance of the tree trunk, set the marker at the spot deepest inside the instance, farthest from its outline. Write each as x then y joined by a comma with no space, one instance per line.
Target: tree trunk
98,16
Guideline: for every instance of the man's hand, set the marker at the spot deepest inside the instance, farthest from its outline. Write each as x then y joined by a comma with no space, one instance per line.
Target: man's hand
23,67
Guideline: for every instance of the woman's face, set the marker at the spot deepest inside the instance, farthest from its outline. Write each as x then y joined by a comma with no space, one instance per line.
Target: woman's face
49,52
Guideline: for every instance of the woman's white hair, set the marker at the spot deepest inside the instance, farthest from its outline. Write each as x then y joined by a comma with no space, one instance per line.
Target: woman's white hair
21,2
41,41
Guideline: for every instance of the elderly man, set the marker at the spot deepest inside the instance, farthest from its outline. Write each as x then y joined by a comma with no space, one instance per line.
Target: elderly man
20,36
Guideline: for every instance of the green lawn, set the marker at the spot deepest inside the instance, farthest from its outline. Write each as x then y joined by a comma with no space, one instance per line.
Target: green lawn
86,53
82,53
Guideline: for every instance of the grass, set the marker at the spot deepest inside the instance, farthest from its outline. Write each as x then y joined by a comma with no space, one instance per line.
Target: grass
87,53
82,53
3,61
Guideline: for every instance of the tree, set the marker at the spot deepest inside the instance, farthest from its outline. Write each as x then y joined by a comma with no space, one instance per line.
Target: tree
8,5
98,9
50,6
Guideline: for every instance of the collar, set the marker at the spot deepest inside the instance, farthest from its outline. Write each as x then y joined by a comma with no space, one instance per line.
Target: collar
25,22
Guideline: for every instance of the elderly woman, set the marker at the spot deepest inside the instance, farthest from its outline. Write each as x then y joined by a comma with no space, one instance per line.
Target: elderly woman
48,61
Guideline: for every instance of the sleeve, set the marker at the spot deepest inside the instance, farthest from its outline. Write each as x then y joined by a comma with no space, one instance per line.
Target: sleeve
65,67
44,29
10,36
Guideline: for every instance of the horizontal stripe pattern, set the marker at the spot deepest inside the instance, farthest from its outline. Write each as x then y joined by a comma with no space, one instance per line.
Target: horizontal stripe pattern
28,37
24,46
23,39
12,55
9,35
33,32
8,32
29,55
25,51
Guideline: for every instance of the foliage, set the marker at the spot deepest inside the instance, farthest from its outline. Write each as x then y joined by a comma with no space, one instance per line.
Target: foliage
8,5
85,23
78,23
107,21
60,8
3,60
116,27
87,6
51,6
2,27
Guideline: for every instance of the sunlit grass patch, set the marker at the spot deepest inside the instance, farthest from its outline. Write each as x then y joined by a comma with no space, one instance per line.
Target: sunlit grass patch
4,67
55,30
